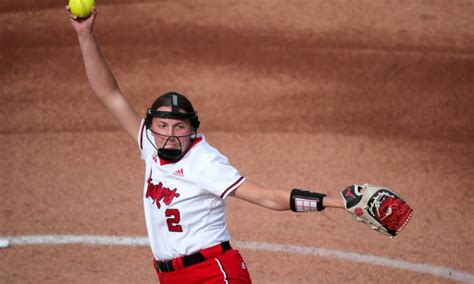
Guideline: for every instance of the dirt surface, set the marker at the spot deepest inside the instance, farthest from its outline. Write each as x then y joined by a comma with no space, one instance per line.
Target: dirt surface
311,94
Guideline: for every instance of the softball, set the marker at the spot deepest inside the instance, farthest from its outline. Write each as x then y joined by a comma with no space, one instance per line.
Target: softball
81,8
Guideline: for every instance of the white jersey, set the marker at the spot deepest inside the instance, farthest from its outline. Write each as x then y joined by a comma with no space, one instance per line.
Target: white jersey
184,201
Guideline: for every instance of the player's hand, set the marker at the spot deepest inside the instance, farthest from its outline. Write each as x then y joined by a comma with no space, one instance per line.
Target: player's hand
81,25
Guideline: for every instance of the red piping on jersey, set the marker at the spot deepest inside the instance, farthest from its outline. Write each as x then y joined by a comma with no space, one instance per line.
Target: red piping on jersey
231,187
197,140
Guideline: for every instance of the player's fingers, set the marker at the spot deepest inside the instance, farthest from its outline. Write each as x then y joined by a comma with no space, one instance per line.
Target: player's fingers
70,14
93,15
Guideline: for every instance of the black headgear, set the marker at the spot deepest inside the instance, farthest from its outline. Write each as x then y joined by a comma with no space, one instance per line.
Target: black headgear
173,99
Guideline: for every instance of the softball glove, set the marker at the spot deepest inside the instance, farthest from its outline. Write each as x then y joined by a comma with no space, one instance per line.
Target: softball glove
379,207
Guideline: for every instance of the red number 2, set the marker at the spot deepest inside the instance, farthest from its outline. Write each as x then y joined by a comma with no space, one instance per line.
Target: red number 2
173,220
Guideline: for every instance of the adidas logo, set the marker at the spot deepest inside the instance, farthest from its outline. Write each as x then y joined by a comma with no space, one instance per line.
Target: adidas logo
179,173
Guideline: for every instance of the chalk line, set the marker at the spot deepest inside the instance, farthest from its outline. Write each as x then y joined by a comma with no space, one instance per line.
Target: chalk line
438,271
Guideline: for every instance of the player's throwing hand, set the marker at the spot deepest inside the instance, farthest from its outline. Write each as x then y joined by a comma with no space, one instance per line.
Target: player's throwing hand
82,24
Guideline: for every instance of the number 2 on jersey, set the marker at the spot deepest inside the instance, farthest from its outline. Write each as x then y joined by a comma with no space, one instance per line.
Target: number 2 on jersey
174,217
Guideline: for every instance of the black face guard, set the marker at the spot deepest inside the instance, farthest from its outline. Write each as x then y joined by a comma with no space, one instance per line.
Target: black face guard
171,155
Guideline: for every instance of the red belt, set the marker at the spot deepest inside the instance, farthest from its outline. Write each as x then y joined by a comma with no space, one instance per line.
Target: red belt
188,260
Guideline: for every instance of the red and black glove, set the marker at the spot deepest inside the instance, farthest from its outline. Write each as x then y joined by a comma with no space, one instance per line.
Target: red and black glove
379,207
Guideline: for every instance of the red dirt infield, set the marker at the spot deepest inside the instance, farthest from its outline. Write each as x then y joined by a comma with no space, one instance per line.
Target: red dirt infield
310,94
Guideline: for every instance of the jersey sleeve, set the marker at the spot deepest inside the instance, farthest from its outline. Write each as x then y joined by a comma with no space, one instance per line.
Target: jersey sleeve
218,177
144,143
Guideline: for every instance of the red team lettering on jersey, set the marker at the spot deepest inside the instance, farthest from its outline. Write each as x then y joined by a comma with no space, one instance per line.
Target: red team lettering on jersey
157,192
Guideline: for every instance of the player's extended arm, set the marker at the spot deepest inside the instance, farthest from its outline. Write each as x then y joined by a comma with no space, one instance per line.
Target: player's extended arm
379,207
276,199
101,78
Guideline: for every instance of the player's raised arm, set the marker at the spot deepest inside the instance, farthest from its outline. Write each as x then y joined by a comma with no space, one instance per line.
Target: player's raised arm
100,76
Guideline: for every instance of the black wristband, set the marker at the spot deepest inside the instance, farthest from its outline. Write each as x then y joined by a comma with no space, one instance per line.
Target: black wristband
303,201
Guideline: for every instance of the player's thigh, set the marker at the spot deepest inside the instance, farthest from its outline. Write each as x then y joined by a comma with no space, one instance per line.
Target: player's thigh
233,267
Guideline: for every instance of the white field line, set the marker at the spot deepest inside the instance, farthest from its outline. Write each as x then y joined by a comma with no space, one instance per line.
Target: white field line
438,271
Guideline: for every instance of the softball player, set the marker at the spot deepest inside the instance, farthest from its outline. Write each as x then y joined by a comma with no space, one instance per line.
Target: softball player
186,180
